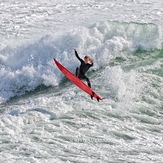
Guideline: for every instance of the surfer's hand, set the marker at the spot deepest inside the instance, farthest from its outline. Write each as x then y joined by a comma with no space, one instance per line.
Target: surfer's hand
74,49
91,60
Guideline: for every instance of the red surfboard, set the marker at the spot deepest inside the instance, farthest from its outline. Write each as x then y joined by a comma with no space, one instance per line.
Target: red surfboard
77,81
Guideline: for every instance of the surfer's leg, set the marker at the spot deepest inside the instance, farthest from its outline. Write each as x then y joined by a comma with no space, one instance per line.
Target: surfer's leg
77,72
88,82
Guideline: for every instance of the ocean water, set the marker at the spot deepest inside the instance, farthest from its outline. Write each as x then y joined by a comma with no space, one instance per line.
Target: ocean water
45,118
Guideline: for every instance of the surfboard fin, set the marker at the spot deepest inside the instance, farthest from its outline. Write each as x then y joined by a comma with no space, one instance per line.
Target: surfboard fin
92,95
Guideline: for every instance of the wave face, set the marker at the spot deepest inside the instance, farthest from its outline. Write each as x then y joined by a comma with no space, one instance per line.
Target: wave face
24,68
46,118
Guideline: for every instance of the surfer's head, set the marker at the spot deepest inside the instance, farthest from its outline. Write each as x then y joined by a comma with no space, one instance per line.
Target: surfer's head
86,59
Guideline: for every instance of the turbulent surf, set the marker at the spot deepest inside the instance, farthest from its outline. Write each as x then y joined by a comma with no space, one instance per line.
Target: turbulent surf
45,118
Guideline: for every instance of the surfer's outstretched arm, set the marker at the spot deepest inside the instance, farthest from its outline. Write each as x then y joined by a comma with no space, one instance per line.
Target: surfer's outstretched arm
77,56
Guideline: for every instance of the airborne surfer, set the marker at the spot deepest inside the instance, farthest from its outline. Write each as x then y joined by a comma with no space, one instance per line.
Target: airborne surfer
83,68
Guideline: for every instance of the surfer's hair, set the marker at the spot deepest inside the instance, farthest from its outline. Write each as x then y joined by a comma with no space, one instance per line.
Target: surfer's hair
86,57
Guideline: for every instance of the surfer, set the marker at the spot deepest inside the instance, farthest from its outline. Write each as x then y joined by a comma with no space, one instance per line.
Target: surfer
85,65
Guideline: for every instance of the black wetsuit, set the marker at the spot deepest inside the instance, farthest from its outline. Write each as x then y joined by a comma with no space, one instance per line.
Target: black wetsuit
80,72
